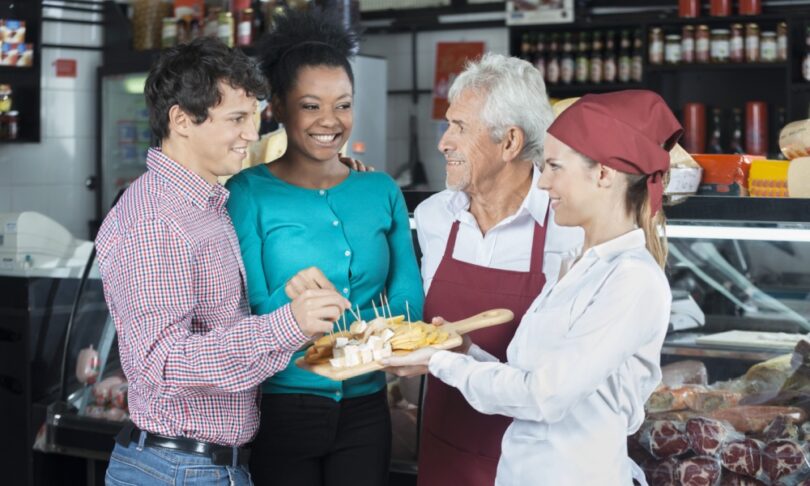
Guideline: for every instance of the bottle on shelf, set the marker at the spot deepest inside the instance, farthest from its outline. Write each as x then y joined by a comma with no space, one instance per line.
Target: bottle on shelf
567,60
756,127
656,45
688,44
609,64
715,145
540,54
583,63
737,43
596,66
524,47
553,63
624,57
736,144
806,61
752,42
702,44
781,41
637,64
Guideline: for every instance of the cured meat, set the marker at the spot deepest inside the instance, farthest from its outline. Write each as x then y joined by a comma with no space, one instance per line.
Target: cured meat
666,439
781,428
781,458
754,418
705,435
102,391
734,479
661,473
689,372
743,456
711,400
87,366
666,399
699,471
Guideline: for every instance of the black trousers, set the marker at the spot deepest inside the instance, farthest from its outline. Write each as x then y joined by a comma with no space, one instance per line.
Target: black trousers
307,440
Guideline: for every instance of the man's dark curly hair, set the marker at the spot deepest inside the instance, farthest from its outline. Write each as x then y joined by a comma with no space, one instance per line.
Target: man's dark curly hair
188,75
302,39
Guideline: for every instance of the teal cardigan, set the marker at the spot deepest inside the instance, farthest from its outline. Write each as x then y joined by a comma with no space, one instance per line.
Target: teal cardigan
357,233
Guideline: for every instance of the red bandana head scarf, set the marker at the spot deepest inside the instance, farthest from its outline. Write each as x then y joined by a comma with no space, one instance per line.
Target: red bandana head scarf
631,131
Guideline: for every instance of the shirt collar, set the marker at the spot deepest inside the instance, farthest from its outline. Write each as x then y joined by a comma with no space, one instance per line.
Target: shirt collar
628,241
191,185
535,203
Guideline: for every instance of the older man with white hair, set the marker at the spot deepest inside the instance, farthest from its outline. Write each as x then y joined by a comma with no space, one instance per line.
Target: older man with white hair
488,241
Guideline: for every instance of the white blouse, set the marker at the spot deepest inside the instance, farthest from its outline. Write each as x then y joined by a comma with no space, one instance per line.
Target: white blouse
506,246
583,362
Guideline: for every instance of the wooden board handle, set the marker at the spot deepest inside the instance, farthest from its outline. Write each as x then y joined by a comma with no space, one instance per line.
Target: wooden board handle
485,319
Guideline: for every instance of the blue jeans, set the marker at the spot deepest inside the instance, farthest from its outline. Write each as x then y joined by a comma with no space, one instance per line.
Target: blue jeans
134,466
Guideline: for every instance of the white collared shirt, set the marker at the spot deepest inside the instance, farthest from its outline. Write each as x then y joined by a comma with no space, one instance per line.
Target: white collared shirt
583,362
507,246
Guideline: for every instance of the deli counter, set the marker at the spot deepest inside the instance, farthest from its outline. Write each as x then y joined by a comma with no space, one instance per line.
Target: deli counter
736,366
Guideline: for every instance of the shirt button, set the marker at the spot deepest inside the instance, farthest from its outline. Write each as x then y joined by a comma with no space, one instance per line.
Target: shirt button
335,223
347,253
321,192
346,290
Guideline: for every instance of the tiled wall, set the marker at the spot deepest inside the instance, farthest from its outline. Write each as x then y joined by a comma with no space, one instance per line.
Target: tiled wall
49,177
397,49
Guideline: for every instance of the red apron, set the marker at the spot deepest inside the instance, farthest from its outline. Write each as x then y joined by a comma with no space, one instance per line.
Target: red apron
459,445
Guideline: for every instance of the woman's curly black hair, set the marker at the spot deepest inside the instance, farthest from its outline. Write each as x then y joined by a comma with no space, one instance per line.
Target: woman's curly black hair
188,75
301,39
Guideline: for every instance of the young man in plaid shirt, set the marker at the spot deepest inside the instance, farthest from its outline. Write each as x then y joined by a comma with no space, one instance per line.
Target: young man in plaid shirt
174,282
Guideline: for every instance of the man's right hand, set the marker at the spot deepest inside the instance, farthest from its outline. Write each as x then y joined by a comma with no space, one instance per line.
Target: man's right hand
316,310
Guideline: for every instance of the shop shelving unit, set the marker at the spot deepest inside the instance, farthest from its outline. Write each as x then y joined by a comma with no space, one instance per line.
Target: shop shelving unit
25,81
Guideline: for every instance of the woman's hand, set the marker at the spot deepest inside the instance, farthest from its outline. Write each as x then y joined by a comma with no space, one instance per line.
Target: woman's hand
355,164
308,279
412,364
462,348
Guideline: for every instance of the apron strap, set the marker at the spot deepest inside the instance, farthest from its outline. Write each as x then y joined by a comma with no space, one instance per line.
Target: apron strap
451,241
539,245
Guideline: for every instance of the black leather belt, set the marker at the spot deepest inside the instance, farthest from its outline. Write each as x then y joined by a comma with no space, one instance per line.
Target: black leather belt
219,454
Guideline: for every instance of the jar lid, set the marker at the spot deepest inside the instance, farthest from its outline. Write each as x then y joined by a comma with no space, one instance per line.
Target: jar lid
720,31
5,87
13,113
673,37
768,33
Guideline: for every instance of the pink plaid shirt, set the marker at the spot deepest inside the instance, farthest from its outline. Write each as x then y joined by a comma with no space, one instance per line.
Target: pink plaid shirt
174,282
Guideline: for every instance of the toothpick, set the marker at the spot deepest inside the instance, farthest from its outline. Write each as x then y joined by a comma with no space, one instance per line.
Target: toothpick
390,315
356,314
408,314
345,329
376,314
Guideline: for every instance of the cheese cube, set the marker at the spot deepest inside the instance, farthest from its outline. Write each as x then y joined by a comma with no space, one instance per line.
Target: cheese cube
359,327
387,334
352,359
375,342
338,352
341,342
337,362
366,356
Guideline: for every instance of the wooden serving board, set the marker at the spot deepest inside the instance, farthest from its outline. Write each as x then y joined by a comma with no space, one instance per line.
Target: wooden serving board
456,329
752,339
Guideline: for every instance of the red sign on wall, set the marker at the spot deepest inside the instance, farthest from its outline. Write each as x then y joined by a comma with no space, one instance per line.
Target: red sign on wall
450,60
65,68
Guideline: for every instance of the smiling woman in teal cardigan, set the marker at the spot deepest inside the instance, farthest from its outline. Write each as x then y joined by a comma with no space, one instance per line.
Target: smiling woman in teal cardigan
357,233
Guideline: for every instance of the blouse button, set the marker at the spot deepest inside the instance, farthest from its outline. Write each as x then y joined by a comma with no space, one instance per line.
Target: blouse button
321,192
335,223
346,290
347,253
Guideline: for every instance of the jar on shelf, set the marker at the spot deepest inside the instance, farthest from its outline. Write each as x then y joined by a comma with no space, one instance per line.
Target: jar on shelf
720,8
702,43
752,42
244,27
737,43
225,28
5,98
750,7
688,44
9,125
720,45
781,41
689,8
168,36
672,49
656,45
767,46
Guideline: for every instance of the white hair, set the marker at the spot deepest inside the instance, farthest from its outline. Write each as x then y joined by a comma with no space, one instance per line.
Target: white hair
515,96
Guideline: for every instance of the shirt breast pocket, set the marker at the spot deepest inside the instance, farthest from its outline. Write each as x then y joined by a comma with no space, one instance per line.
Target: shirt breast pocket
553,319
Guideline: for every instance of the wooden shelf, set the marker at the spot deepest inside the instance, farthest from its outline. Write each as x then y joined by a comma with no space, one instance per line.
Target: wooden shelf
574,89
736,66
